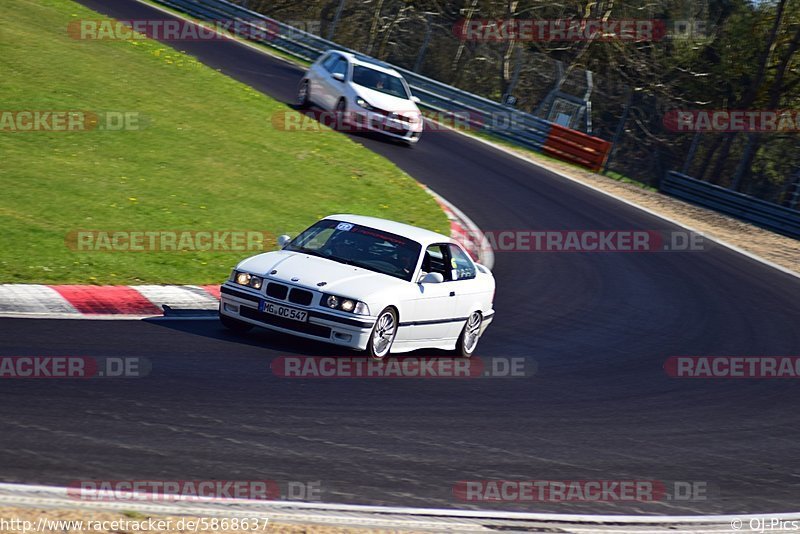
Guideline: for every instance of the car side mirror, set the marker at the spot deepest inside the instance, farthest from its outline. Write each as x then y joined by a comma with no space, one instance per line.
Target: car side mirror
283,240
338,76
431,278
416,100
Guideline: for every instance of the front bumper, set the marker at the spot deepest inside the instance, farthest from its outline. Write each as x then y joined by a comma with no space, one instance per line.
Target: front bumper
350,331
389,126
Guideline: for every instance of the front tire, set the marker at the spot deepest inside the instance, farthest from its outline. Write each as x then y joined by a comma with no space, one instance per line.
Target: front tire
468,339
304,94
383,334
240,327
341,114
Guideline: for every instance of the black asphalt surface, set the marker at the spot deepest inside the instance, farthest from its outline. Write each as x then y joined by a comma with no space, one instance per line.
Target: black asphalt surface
598,327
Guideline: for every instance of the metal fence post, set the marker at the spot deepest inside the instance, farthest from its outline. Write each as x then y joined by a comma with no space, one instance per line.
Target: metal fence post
620,128
336,18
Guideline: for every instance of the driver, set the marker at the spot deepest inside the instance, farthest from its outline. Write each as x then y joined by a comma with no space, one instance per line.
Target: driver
407,259
339,247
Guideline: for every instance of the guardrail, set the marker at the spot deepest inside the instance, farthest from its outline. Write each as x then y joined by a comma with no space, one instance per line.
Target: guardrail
480,113
771,216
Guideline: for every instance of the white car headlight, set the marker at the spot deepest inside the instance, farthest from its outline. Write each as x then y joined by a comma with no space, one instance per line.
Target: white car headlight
364,104
247,279
345,304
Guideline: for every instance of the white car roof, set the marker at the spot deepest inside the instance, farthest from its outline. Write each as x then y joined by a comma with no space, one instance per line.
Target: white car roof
357,59
420,235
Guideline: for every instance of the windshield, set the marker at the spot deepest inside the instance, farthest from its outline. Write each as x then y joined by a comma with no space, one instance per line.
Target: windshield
380,81
361,246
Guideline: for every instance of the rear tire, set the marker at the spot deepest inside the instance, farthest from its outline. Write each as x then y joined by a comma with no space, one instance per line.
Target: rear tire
470,335
383,334
235,325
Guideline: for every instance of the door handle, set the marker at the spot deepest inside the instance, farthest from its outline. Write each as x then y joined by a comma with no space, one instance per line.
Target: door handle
452,293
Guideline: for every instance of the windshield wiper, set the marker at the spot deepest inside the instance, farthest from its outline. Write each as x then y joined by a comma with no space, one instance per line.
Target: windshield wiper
355,263
308,251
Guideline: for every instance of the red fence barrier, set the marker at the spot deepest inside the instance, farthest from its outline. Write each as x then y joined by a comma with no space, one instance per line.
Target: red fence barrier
576,147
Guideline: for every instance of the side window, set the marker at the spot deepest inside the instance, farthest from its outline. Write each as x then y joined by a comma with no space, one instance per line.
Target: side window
461,266
340,67
435,261
330,61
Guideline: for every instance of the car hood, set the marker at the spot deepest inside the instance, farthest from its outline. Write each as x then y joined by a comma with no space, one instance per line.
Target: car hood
384,101
308,271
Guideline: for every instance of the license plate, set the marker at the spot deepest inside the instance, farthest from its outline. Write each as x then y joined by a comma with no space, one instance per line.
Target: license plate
284,311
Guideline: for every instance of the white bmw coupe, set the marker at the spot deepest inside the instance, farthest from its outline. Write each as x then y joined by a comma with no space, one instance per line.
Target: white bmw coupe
364,283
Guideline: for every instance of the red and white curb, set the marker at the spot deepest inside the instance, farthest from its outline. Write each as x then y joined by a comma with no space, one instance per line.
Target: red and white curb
466,232
104,301
128,302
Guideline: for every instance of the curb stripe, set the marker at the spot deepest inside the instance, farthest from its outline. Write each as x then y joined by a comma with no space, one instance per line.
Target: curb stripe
107,300
32,298
180,297
212,290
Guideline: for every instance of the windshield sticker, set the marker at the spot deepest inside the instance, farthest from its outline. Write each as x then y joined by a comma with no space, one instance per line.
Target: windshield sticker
344,227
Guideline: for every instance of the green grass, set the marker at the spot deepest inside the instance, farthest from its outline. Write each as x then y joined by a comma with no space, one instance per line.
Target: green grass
207,158
624,179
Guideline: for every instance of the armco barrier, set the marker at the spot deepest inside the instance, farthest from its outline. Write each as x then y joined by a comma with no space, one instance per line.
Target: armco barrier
759,212
577,147
481,113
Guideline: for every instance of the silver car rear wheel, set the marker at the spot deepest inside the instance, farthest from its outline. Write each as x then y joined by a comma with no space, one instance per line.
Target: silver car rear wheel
470,335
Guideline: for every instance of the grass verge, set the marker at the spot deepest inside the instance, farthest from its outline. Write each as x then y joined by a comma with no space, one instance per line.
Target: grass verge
203,156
